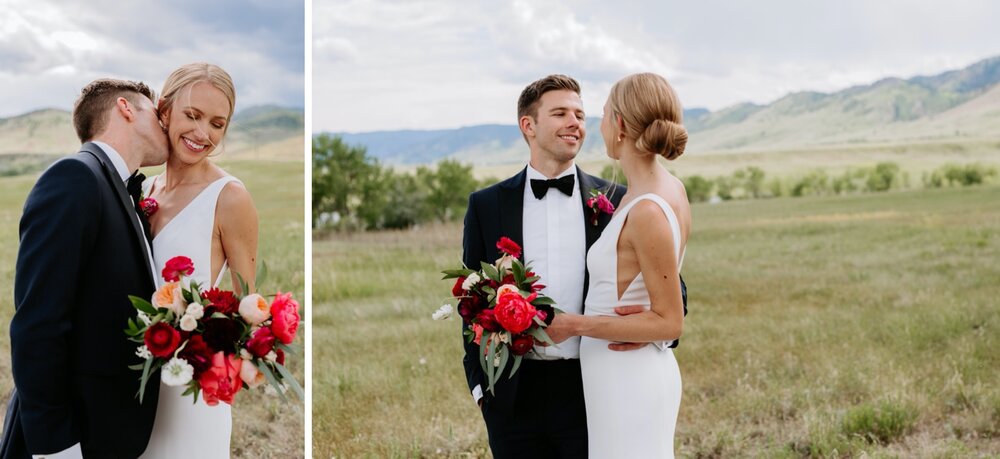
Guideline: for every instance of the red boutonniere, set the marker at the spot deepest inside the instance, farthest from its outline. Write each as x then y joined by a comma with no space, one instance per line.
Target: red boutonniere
149,206
598,204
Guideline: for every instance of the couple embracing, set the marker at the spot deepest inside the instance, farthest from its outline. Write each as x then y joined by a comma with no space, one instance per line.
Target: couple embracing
611,387
86,244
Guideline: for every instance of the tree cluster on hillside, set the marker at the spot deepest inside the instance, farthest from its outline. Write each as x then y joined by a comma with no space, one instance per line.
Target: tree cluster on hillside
352,190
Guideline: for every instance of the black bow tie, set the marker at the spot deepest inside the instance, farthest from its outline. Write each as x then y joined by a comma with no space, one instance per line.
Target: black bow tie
134,186
564,184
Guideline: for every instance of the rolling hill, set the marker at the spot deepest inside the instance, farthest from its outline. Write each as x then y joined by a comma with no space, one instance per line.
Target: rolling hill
259,132
957,105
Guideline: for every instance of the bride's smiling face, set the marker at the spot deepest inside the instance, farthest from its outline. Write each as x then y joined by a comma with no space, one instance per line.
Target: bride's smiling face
196,121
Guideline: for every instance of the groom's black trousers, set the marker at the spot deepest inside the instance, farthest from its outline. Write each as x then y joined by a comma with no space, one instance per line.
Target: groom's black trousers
548,418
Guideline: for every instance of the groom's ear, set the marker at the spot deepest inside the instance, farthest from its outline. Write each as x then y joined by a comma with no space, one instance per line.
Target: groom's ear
527,125
124,108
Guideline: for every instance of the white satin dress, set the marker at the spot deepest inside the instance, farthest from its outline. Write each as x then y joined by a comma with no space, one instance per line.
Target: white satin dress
632,397
184,429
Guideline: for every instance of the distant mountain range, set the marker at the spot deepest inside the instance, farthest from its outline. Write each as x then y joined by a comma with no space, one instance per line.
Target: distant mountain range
959,104
259,132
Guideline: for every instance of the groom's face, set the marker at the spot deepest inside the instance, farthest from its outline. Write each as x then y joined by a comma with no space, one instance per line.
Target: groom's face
148,128
557,130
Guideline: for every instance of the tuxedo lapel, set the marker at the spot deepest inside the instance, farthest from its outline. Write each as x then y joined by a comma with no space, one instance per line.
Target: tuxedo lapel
124,199
512,208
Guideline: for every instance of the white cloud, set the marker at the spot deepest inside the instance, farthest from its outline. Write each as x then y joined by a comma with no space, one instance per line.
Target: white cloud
50,49
438,64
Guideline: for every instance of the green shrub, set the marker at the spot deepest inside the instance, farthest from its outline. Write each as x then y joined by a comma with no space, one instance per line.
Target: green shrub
881,424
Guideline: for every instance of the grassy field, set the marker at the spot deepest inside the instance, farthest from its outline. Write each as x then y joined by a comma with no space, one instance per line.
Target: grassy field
263,426
852,326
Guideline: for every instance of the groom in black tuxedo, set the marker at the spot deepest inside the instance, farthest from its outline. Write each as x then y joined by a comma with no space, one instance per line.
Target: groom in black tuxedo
539,412
82,252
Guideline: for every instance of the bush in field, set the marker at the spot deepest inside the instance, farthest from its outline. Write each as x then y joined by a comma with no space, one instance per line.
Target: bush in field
958,175
353,191
815,183
448,189
753,181
881,424
852,180
345,181
698,188
883,177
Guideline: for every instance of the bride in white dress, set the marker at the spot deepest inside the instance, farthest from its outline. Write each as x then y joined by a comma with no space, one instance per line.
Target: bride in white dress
633,397
206,215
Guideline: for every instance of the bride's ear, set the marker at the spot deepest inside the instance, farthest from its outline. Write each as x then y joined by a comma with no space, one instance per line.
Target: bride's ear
163,113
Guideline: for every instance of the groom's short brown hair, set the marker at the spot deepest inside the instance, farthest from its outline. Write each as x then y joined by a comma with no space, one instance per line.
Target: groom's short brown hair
90,112
527,104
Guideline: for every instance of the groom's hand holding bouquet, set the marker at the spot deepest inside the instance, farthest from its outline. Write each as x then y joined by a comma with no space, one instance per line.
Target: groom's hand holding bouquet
502,309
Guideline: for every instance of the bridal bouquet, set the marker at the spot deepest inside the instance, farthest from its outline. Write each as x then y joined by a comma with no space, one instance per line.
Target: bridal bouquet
502,310
213,341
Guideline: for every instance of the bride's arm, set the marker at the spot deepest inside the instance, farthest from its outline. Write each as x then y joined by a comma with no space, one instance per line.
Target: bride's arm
648,234
237,219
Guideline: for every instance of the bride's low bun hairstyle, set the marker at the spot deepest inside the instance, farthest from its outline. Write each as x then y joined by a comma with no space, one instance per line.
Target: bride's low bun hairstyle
663,137
651,114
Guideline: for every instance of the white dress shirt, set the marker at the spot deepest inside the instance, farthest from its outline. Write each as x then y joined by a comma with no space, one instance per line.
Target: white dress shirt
555,244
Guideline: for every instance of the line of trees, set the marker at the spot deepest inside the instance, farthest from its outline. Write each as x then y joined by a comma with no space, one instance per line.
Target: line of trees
352,190
752,183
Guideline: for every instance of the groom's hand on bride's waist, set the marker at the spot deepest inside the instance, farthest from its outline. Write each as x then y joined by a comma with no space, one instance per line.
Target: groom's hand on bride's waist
625,311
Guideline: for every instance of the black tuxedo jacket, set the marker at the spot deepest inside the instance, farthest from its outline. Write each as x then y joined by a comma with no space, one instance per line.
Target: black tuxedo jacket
81,254
498,211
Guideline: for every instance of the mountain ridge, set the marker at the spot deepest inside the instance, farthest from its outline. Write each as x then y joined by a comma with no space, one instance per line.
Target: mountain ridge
891,109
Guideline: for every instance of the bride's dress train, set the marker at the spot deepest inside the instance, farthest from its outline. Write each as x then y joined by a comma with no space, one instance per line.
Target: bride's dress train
184,429
632,397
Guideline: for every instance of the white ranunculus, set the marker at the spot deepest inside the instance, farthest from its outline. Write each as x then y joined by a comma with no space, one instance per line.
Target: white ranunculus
195,310
188,323
443,312
473,279
177,372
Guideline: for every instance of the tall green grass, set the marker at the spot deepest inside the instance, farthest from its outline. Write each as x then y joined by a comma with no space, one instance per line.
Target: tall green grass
818,327
262,425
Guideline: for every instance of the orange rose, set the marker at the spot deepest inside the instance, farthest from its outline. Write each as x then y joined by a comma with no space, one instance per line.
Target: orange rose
169,296
254,309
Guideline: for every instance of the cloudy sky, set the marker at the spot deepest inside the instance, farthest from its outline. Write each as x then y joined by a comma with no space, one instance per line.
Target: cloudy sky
425,64
49,49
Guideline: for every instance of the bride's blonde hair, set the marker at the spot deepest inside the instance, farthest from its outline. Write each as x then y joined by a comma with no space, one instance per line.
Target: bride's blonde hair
651,114
189,74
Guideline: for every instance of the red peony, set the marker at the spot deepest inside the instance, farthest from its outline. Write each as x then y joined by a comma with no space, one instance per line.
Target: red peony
522,344
177,267
514,313
198,354
222,380
222,301
509,247
261,343
457,290
284,317
162,340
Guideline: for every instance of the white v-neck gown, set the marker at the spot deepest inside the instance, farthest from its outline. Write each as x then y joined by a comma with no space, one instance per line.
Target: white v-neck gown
184,429
632,397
